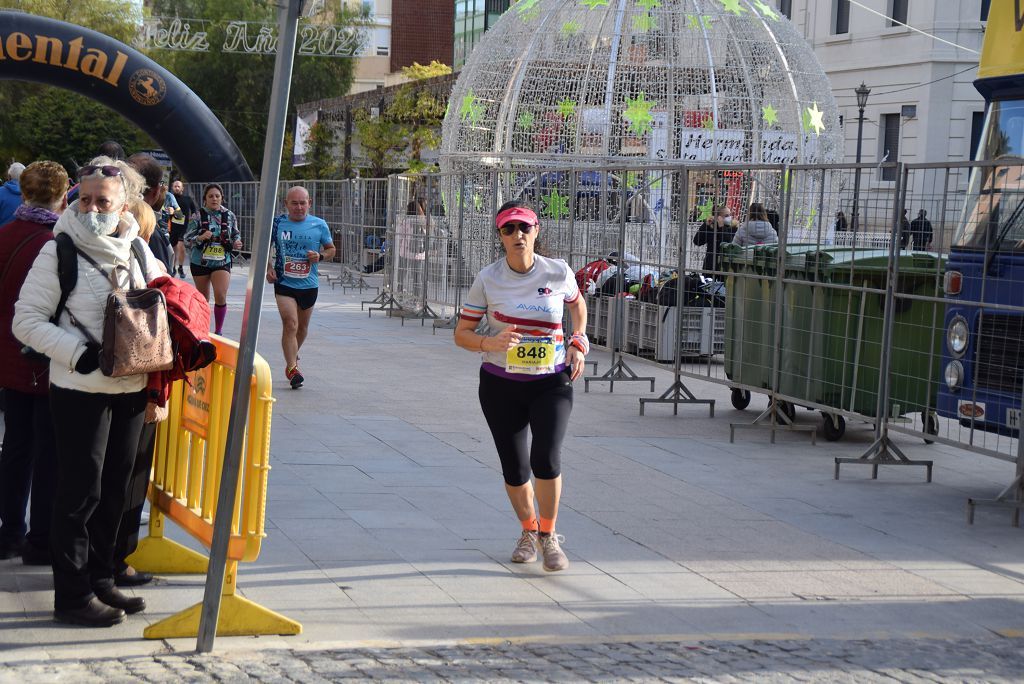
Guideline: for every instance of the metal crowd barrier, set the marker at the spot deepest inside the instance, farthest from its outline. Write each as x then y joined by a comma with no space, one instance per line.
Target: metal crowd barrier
847,313
184,486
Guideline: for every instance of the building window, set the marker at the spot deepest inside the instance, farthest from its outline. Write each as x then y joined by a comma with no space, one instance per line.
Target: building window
890,151
382,38
786,7
984,9
840,16
898,12
977,121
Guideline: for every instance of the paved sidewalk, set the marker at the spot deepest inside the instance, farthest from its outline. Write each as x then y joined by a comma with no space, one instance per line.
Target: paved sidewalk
389,535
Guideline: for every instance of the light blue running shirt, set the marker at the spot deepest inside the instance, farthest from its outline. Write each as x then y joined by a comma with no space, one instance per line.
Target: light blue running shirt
292,240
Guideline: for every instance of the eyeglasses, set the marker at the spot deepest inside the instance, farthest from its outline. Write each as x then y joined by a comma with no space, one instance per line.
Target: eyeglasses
108,170
510,228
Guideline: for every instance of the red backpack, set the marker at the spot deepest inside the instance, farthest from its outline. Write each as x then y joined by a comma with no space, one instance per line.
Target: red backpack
189,315
590,272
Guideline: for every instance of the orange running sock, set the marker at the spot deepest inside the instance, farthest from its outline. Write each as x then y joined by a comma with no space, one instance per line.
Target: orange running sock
530,525
547,525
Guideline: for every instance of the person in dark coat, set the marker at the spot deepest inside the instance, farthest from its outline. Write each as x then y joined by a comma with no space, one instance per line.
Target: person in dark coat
921,229
841,224
904,230
712,233
28,461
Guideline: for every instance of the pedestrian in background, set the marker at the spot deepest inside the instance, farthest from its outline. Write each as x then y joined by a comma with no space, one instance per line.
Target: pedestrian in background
757,230
27,462
904,230
527,373
921,230
162,203
189,212
712,233
97,419
10,193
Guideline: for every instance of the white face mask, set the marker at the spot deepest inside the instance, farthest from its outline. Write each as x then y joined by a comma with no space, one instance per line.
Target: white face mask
99,223
727,220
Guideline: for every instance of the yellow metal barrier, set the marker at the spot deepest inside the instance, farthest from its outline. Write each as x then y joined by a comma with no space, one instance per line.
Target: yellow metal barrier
184,486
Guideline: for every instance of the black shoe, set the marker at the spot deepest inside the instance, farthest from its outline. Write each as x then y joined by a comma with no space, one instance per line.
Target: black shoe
33,555
11,549
93,614
115,599
132,578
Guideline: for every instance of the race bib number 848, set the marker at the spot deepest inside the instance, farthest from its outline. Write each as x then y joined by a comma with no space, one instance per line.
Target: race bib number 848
534,355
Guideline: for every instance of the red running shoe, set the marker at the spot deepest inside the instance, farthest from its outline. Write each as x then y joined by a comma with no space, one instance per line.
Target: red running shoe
295,377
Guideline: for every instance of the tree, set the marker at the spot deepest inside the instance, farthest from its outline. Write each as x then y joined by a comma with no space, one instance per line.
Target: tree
409,124
320,152
41,122
237,86
419,111
382,140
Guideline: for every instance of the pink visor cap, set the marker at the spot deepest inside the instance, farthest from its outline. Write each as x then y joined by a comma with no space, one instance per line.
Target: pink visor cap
516,214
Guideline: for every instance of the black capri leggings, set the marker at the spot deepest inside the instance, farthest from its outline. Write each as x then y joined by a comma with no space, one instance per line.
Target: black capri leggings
540,406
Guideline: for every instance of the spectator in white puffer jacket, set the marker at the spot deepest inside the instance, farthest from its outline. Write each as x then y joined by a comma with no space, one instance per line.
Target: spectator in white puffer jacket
97,419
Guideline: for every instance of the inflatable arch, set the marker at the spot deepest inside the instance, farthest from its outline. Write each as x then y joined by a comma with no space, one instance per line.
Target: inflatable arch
56,53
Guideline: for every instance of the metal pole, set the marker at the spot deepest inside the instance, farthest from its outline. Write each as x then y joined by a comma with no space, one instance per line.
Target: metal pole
884,379
856,180
288,18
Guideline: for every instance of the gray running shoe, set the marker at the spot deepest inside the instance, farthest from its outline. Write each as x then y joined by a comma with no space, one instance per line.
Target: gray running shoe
526,548
554,557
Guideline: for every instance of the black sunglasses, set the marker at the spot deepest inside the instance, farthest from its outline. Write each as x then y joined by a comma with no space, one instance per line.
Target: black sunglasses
510,228
108,170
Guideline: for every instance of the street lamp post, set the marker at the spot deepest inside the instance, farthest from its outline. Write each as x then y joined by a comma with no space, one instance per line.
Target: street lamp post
862,100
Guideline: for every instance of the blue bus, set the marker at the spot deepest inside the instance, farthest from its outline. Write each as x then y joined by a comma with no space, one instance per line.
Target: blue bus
983,354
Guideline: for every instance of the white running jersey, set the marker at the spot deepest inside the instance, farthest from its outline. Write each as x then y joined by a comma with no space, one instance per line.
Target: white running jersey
533,302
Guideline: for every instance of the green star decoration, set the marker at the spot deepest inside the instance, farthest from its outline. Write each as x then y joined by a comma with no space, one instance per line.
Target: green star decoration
708,123
766,10
810,219
695,21
570,28
733,6
567,108
649,4
594,4
478,201
638,114
525,121
814,119
470,109
770,115
524,6
556,205
705,209
644,23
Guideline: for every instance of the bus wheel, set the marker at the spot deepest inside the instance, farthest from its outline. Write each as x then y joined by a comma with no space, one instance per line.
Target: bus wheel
740,398
931,425
834,426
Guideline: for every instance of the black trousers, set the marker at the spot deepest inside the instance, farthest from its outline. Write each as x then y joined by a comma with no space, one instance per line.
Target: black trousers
135,499
27,463
97,436
516,410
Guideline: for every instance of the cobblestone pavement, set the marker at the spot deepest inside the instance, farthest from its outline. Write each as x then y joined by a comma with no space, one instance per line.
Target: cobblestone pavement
896,660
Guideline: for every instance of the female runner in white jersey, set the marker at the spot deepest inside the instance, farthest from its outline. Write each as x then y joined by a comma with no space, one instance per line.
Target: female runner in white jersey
528,368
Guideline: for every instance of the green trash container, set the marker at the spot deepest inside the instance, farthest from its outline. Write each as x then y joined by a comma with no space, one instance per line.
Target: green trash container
832,337
750,309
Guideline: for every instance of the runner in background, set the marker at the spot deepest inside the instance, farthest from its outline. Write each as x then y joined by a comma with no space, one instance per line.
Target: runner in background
527,373
299,242
189,212
213,238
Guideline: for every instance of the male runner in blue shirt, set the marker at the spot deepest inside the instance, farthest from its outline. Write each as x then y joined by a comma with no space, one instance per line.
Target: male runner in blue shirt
300,241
